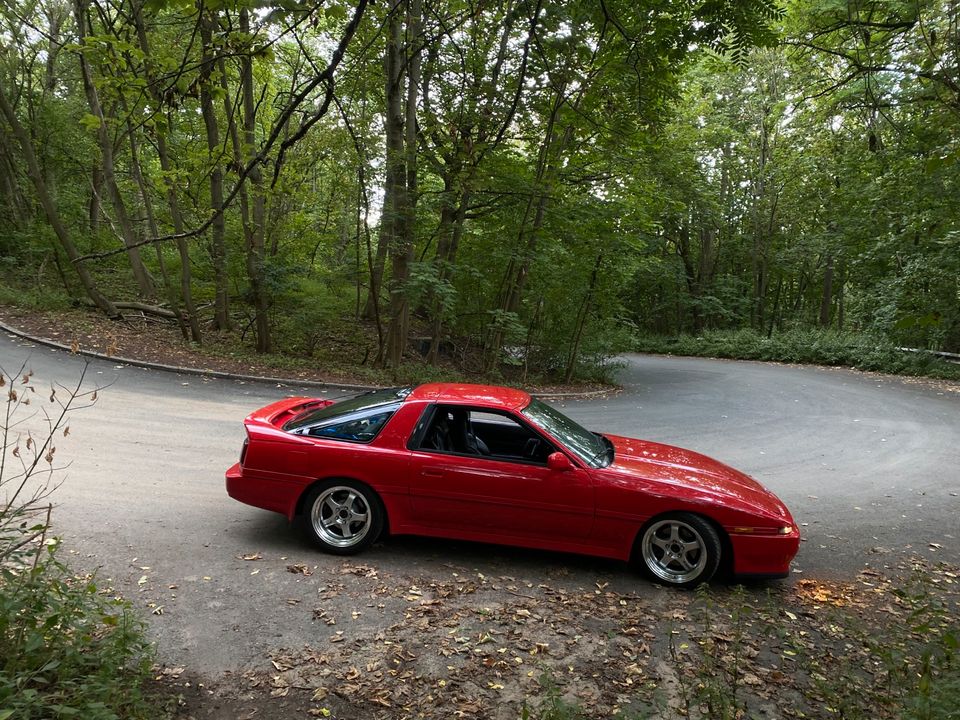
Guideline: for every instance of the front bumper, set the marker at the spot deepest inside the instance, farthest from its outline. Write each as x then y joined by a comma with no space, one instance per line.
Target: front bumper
763,555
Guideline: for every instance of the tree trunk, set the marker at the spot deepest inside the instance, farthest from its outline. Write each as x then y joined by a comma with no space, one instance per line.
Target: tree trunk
256,264
50,208
763,281
582,320
518,268
776,305
691,276
826,297
218,250
457,156
57,16
360,223
96,188
394,170
453,212
396,201
125,226
137,172
377,263
234,135
252,227
798,304
173,201
9,186
842,271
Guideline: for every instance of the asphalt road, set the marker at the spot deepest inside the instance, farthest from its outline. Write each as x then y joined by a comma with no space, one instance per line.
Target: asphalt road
869,465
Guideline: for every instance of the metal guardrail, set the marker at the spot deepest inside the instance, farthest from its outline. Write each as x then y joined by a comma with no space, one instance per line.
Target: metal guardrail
949,357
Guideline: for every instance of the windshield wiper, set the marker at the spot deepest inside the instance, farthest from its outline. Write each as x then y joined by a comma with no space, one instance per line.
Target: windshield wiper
608,448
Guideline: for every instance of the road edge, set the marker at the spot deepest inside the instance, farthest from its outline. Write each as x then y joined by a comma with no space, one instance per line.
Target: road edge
265,379
200,372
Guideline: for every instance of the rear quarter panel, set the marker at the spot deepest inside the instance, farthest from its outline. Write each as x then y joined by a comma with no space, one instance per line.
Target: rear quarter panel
287,465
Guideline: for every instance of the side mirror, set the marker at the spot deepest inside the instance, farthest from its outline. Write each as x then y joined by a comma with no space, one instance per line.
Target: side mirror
559,462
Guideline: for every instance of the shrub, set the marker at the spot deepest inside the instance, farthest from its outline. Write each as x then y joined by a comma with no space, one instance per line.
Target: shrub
813,346
66,649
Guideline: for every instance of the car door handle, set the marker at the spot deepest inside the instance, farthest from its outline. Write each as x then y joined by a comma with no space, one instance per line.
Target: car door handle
432,473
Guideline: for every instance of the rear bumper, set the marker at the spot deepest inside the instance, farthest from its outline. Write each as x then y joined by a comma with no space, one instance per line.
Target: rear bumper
262,491
763,556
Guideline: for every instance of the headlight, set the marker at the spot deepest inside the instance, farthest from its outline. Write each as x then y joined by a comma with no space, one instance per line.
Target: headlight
782,530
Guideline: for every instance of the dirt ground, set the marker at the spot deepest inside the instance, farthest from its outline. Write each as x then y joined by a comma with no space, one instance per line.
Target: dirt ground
471,646
139,337
145,338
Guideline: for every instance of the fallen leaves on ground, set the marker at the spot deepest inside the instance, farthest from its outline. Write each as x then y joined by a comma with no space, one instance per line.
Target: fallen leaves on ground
474,645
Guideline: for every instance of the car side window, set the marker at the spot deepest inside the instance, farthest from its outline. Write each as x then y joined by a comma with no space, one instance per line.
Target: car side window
357,427
487,433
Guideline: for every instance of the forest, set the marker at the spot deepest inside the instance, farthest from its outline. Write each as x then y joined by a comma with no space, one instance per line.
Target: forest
498,187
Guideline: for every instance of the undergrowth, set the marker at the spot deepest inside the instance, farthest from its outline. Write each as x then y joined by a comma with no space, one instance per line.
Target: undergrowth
33,297
67,650
818,347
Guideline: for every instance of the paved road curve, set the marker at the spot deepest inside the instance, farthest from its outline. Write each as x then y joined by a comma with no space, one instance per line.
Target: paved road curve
870,466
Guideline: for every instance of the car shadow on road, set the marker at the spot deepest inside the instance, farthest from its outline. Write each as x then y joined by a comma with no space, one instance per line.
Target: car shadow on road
424,559
412,555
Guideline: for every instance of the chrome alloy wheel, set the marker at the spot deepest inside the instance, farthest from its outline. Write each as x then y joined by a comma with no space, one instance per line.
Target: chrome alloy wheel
674,551
341,516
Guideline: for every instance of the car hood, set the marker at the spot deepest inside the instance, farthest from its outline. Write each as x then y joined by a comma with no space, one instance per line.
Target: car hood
689,472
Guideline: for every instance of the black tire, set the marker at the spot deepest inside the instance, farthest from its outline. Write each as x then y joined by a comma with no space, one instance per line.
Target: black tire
343,517
679,549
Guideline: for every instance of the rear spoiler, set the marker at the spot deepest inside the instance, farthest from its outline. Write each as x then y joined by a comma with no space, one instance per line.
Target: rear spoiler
281,412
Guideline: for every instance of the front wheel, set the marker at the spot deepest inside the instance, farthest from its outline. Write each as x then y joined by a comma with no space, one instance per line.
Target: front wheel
681,549
343,517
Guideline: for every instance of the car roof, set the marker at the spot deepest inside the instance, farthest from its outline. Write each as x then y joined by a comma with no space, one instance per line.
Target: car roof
491,396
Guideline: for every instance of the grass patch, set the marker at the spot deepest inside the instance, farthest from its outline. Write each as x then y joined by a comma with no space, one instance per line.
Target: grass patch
817,347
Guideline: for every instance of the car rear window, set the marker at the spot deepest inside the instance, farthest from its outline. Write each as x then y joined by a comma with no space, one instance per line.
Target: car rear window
362,426
350,406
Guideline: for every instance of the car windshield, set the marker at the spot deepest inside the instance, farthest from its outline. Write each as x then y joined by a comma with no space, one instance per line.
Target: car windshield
365,401
590,447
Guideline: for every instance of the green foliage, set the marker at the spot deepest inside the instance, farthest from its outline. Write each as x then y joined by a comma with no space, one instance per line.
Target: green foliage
857,350
715,179
306,308
551,704
932,684
40,297
427,285
66,648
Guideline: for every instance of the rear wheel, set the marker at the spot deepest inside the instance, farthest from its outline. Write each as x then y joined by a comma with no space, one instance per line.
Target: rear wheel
680,549
343,517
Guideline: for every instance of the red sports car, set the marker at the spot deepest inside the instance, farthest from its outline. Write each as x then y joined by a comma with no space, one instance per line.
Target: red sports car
492,464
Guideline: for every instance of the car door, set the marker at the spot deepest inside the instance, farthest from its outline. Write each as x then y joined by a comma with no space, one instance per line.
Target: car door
499,495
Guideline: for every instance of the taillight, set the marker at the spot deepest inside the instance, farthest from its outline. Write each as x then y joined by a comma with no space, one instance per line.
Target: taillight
243,450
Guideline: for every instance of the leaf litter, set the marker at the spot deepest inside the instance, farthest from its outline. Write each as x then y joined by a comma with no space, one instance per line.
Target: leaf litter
476,646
